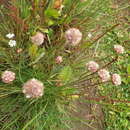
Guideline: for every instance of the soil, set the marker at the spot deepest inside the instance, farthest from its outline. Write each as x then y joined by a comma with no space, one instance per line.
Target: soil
91,115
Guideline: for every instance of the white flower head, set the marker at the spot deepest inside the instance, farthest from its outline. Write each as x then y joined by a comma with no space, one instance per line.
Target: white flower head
61,8
89,35
12,43
10,35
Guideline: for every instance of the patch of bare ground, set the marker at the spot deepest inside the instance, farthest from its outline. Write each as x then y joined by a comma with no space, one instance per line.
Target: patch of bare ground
88,116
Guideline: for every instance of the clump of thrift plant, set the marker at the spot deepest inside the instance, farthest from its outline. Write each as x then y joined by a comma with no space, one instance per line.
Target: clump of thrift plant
48,46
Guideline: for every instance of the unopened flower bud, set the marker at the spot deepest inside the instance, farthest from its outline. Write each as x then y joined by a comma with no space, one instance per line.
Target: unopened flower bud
59,59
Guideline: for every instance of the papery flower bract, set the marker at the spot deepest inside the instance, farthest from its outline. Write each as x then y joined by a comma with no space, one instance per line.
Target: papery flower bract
104,75
61,8
8,76
38,38
119,49
92,66
73,36
116,79
12,43
10,35
59,59
19,50
33,88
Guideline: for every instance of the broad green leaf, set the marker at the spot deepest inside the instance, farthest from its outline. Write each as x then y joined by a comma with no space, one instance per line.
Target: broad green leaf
39,54
85,45
50,22
66,74
52,13
33,51
44,30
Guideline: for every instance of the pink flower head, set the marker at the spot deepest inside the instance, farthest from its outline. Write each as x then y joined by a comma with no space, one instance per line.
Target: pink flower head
116,79
59,59
8,76
73,36
33,88
104,75
119,49
38,38
92,66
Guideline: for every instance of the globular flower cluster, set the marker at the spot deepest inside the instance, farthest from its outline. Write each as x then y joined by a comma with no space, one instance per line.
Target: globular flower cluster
38,38
10,35
92,66
104,75
11,43
73,36
116,79
59,59
33,88
8,76
119,49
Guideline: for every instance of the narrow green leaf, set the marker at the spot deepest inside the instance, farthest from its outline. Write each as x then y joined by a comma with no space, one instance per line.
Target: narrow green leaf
33,51
52,13
128,69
